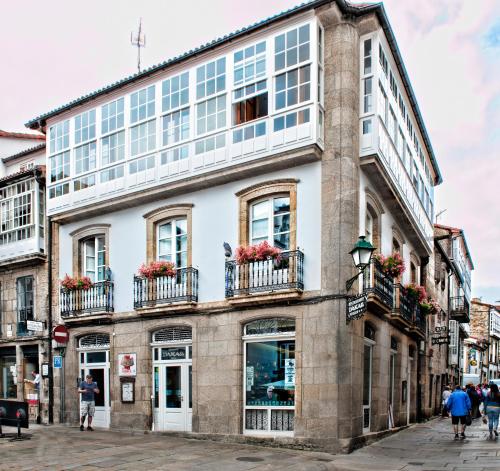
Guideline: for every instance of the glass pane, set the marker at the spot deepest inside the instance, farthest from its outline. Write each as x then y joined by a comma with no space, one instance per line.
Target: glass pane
156,386
260,210
281,205
165,230
270,373
190,386
164,247
282,223
367,375
259,228
181,226
96,357
173,387
282,241
98,377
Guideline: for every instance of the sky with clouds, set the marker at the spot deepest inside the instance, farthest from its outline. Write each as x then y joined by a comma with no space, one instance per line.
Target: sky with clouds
451,49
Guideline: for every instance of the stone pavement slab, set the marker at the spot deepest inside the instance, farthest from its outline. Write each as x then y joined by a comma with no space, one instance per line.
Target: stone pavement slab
423,447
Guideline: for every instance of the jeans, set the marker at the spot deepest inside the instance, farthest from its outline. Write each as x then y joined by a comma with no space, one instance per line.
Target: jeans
493,419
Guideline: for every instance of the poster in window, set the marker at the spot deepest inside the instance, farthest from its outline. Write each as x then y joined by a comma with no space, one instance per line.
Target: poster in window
290,373
250,376
127,364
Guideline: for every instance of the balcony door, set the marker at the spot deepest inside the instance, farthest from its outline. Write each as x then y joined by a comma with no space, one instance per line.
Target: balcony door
94,258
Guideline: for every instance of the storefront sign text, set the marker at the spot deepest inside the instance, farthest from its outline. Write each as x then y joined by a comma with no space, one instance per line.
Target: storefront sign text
356,307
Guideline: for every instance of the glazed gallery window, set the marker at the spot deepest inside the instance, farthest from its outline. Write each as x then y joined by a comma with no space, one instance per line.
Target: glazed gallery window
211,115
85,158
175,92
8,388
211,78
93,257
175,127
172,242
143,138
59,166
142,104
293,87
59,137
250,63
270,220
112,116
291,48
85,126
84,182
269,375
25,306
113,148
252,108
112,174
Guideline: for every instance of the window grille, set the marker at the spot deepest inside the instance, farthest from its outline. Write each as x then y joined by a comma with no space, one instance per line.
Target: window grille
270,326
173,334
95,341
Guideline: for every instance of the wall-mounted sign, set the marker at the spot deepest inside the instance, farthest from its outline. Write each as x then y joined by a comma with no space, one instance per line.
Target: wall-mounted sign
250,377
127,364
440,329
356,307
127,390
176,353
45,370
440,340
57,360
34,326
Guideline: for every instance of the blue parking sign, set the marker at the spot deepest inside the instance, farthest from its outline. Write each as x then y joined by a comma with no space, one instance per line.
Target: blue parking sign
57,362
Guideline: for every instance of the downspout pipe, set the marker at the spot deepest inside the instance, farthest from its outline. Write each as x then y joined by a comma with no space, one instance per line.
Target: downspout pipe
49,322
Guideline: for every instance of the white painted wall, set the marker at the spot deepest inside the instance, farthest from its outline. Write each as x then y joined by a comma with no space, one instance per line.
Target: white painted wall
12,146
13,166
388,221
215,220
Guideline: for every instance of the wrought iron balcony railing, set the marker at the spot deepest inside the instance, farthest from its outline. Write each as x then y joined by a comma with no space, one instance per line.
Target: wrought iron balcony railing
287,273
419,319
403,304
182,287
377,282
81,302
459,309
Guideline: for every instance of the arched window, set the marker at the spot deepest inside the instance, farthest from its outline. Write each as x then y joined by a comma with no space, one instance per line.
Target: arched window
268,213
92,341
396,247
91,251
413,273
173,334
373,218
269,395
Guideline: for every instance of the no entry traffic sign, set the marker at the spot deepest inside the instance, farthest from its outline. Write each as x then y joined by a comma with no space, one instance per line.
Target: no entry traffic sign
61,334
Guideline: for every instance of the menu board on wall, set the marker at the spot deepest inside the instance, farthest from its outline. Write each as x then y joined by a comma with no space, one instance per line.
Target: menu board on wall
290,373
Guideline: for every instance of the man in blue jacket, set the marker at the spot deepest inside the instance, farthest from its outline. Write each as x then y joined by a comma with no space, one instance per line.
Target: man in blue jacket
459,406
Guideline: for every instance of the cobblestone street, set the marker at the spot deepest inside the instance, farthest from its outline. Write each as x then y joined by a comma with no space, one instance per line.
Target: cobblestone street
425,447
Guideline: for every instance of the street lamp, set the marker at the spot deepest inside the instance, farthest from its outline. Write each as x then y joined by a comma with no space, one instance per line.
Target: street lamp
361,255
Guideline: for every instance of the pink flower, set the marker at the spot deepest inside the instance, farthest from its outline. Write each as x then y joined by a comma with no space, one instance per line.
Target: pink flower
157,268
70,283
257,253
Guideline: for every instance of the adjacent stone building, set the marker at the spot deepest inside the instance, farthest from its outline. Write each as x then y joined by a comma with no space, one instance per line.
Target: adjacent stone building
23,271
301,131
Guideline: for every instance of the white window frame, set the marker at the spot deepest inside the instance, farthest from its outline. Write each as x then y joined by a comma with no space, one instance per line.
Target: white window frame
60,163
94,275
59,137
289,46
298,86
175,127
85,127
174,253
113,114
205,77
146,102
203,115
145,138
85,158
250,60
181,92
270,218
114,145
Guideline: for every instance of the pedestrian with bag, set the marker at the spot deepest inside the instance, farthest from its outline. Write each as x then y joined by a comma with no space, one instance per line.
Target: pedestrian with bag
492,409
460,407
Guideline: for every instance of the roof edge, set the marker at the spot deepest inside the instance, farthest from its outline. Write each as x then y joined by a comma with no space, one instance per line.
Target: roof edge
23,153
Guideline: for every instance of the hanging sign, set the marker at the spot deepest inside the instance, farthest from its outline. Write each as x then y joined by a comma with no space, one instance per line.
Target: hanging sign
356,306
440,340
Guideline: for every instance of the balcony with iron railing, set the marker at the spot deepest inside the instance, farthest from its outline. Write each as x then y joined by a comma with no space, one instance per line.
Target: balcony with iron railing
82,303
418,327
268,280
459,309
379,288
403,309
179,290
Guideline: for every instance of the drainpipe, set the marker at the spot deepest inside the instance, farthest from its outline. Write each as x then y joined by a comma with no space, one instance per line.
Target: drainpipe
49,322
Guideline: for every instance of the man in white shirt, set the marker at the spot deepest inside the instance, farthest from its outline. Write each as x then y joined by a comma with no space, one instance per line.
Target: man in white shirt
445,396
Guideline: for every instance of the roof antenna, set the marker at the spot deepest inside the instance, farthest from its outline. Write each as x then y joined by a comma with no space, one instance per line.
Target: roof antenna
139,40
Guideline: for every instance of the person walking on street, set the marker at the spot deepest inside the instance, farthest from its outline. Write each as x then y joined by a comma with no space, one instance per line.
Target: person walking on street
492,409
474,399
88,389
459,406
444,401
